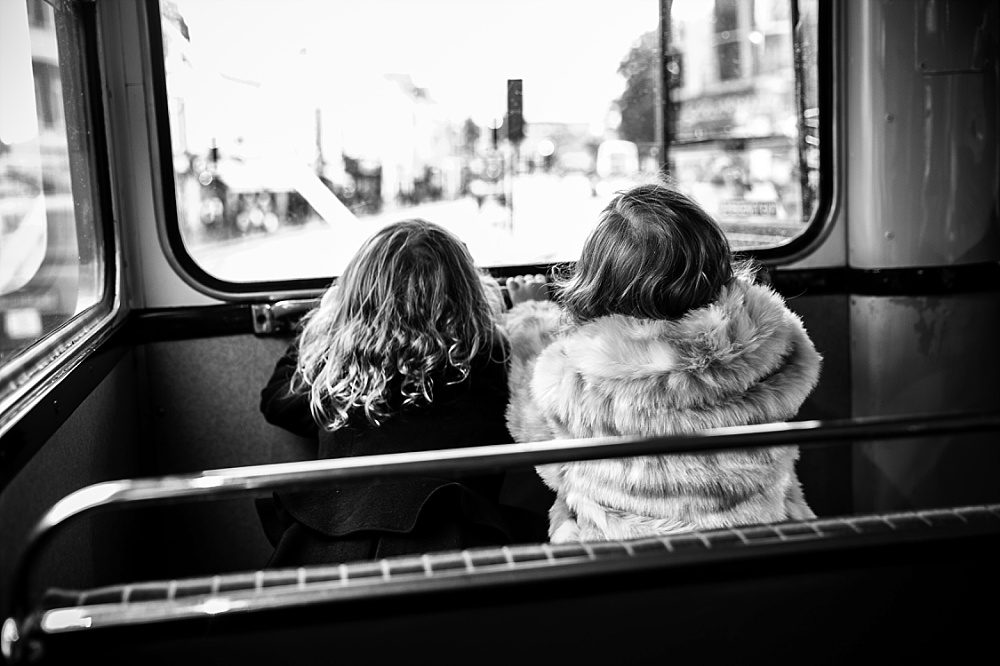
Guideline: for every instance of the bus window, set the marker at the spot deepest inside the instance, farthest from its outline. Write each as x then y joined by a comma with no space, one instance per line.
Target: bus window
285,158
51,269
743,121
298,128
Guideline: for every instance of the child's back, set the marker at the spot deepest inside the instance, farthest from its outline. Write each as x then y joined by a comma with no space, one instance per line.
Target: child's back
402,355
660,334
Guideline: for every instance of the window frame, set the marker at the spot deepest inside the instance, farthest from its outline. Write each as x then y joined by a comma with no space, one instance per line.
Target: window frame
813,234
829,100
165,188
29,377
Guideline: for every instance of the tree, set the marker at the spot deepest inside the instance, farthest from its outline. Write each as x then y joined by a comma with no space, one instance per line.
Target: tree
637,105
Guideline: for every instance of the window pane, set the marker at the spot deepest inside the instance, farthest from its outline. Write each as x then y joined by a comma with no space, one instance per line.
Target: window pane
744,122
299,127
50,267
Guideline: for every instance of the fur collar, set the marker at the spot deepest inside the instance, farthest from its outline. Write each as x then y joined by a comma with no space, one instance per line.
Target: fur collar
744,359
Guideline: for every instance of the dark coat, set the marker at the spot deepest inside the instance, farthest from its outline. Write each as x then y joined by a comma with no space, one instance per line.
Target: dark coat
378,518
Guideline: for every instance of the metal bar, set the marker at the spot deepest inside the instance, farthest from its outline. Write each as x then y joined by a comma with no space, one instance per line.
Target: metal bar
540,563
245,481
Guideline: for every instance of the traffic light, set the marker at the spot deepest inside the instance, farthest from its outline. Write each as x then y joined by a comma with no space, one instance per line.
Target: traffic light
515,119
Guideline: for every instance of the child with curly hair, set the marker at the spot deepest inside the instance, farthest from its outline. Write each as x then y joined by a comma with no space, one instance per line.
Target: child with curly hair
404,353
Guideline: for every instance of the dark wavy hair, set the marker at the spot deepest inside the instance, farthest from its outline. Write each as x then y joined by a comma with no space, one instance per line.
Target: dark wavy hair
411,305
654,254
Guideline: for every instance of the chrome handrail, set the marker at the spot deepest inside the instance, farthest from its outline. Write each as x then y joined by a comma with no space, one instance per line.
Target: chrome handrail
244,481
275,317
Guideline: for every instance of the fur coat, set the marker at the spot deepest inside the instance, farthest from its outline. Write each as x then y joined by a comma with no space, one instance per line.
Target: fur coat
744,359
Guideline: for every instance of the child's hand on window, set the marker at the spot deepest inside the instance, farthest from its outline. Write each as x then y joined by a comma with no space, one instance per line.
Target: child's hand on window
527,288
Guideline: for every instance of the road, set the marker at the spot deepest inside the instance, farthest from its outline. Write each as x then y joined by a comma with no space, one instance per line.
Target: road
547,222
551,217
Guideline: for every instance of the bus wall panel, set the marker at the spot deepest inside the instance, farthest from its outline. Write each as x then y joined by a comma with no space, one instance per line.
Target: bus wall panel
203,401
825,471
916,355
100,441
924,158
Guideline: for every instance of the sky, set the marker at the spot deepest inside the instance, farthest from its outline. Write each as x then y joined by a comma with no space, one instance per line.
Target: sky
463,51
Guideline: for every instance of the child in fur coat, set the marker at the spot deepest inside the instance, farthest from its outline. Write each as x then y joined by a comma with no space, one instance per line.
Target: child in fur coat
658,331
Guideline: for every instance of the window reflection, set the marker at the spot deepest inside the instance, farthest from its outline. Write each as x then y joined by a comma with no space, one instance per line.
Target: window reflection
50,269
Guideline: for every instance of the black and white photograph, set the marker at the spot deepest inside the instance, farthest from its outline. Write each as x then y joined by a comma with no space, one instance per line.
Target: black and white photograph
503,332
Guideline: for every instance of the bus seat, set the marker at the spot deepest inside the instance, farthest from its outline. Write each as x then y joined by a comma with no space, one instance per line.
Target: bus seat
257,608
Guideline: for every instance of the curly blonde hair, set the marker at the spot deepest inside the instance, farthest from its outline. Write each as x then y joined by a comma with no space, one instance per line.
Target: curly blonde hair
410,307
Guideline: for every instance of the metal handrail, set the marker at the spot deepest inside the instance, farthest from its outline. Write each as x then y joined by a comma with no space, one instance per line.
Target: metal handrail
244,481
